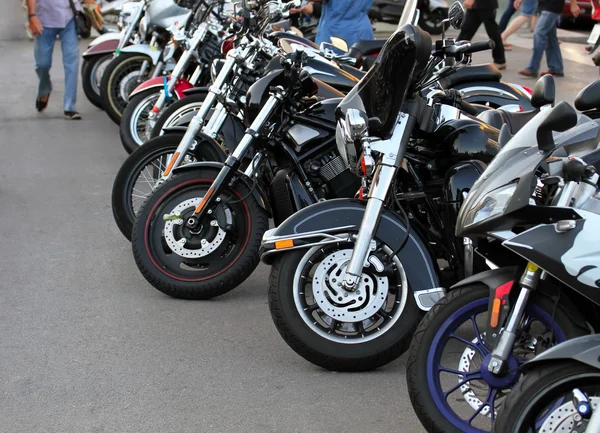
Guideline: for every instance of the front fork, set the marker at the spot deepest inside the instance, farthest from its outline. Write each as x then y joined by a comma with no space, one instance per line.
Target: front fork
504,346
232,163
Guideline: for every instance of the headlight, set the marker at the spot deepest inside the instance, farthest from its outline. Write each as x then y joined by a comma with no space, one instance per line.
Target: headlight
346,146
143,28
491,205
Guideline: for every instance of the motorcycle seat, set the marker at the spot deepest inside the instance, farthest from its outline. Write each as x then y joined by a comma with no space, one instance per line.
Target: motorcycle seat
367,48
514,121
589,97
467,74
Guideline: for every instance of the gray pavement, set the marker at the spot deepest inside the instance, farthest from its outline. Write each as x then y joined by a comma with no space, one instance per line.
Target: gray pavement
86,345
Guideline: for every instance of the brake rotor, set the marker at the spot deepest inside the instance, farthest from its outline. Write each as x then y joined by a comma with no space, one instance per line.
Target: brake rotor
126,86
565,419
343,305
178,246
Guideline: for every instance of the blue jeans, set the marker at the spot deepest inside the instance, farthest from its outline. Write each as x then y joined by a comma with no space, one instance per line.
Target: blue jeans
545,39
506,16
42,51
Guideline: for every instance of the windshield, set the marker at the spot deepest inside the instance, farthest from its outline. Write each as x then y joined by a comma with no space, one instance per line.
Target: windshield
516,164
381,93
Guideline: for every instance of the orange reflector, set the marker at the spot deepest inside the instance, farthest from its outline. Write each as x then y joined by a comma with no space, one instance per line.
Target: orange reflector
204,200
170,166
363,165
360,193
155,109
495,313
280,245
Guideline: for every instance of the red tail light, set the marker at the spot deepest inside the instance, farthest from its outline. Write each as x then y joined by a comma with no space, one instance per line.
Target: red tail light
528,90
227,45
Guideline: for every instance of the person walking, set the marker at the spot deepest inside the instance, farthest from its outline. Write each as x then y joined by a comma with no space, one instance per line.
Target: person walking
528,9
545,39
507,15
483,11
345,19
47,20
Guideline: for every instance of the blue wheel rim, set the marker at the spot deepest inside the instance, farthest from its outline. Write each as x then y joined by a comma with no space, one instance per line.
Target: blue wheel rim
444,334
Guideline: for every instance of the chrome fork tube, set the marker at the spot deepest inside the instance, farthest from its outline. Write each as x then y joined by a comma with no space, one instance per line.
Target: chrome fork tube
255,127
196,75
382,181
216,121
129,31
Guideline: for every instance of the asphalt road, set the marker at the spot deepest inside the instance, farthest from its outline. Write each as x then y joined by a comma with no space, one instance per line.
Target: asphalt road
86,345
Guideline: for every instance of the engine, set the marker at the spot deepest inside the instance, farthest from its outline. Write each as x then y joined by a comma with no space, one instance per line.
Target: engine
329,171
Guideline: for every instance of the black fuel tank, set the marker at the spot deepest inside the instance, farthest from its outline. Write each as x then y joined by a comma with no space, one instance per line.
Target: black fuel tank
466,139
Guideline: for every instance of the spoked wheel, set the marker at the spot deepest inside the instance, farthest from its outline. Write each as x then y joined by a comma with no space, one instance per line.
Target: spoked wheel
91,75
134,129
338,329
209,260
543,400
141,171
121,77
174,112
432,22
449,383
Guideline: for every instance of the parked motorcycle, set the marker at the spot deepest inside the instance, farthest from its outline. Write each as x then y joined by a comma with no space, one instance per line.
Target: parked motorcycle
349,277
537,200
559,393
135,63
200,47
101,50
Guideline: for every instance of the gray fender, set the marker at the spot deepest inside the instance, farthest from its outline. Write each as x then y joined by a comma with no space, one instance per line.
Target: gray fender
153,53
492,278
344,216
584,349
257,192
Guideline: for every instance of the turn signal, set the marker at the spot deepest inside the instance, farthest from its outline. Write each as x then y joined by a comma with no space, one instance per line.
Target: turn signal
287,243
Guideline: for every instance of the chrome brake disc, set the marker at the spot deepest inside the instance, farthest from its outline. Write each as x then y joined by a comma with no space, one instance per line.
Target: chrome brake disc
178,245
343,305
565,419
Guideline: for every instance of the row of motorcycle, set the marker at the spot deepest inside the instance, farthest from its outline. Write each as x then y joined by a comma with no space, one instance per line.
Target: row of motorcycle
418,203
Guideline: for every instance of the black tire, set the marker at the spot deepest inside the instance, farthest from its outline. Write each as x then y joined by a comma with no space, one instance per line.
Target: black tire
169,115
540,387
313,346
431,22
208,277
123,65
124,209
89,70
417,378
139,106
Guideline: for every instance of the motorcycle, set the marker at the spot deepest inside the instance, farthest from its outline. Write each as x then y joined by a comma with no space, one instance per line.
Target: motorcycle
350,277
133,64
529,216
560,391
433,12
101,50
200,48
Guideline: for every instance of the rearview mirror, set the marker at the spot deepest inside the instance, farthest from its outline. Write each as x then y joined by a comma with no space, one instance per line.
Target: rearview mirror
561,118
340,44
456,15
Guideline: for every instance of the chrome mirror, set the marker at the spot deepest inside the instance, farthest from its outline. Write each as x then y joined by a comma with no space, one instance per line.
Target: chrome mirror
456,15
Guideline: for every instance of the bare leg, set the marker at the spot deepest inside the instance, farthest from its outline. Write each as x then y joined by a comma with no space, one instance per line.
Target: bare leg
514,26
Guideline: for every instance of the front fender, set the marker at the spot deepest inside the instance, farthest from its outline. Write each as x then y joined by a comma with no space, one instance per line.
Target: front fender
257,192
584,349
159,82
111,36
495,93
195,90
153,53
108,46
337,216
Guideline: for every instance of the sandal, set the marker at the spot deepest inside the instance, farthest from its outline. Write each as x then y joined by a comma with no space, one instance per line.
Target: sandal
507,46
41,105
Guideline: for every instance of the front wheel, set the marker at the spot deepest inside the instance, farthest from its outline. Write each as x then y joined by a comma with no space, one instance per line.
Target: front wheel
122,75
543,400
337,329
91,76
450,387
141,171
432,22
133,129
207,261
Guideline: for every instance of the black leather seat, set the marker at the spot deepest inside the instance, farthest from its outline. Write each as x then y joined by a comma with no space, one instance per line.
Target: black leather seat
366,48
589,97
543,94
487,72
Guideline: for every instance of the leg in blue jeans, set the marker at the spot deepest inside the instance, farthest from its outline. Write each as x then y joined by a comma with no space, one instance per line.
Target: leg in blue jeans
553,54
70,51
506,16
42,52
544,38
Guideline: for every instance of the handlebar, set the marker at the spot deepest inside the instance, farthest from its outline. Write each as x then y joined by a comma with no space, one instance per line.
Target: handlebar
468,108
480,46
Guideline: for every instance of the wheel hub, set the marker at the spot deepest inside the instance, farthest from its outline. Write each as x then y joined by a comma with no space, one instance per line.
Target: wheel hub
128,84
565,419
369,297
183,245
506,380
